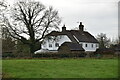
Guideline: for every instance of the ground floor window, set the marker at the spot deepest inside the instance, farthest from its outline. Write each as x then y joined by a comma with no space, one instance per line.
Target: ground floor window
56,44
92,45
50,45
86,45
96,45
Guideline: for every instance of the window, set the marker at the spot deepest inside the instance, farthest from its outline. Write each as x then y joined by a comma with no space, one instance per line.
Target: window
85,45
92,45
56,44
96,45
50,45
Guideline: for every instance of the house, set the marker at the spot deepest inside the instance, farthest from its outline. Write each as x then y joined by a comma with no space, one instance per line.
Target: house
75,40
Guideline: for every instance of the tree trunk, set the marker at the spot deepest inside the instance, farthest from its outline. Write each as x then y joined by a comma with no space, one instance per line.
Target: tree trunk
32,49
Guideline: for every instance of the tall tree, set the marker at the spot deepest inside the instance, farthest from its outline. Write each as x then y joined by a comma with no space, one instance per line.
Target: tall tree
30,21
103,40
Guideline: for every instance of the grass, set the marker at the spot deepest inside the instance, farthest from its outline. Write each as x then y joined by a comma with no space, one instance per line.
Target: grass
60,68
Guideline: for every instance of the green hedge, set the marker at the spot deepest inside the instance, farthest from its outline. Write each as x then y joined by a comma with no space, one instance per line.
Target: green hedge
7,54
59,55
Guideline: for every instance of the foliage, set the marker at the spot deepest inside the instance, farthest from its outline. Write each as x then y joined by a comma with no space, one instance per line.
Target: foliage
105,51
59,55
103,40
61,68
8,44
8,55
23,50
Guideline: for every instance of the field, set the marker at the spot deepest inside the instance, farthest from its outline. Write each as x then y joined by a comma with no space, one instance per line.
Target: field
60,68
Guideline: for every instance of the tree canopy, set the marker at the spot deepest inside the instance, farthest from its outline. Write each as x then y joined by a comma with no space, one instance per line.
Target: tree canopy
30,21
103,40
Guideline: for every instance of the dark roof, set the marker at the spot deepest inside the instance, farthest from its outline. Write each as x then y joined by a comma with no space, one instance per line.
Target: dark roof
82,36
68,33
73,46
55,33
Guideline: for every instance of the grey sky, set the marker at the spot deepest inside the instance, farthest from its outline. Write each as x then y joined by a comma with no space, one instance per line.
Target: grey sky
98,16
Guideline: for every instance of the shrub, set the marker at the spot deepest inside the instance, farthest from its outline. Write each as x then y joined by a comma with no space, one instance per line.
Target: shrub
59,55
104,52
8,54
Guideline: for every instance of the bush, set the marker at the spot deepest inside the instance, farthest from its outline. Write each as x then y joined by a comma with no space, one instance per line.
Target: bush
104,52
82,54
8,54
59,55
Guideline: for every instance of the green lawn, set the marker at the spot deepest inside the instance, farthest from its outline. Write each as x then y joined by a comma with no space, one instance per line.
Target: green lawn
61,68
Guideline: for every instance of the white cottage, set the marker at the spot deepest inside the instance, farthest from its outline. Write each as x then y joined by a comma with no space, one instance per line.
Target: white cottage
55,39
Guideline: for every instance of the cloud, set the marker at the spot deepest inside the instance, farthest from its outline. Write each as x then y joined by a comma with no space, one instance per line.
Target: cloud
97,15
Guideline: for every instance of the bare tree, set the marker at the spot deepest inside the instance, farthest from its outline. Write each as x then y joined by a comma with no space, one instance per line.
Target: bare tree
2,4
3,9
103,40
30,21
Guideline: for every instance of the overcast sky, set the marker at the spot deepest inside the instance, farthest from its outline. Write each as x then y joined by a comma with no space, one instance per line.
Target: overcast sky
98,16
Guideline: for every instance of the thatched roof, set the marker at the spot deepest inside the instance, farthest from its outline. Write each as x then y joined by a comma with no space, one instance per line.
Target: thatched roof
82,36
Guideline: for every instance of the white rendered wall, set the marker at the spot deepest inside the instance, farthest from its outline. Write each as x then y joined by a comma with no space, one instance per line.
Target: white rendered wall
89,46
59,39
64,38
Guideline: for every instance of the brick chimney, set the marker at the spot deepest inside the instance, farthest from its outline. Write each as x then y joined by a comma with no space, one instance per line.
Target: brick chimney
81,27
63,28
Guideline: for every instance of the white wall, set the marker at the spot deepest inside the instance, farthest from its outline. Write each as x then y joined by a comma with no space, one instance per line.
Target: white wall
59,39
89,46
64,38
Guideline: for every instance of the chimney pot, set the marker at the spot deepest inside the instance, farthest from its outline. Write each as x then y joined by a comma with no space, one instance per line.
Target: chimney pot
81,27
80,23
63,28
